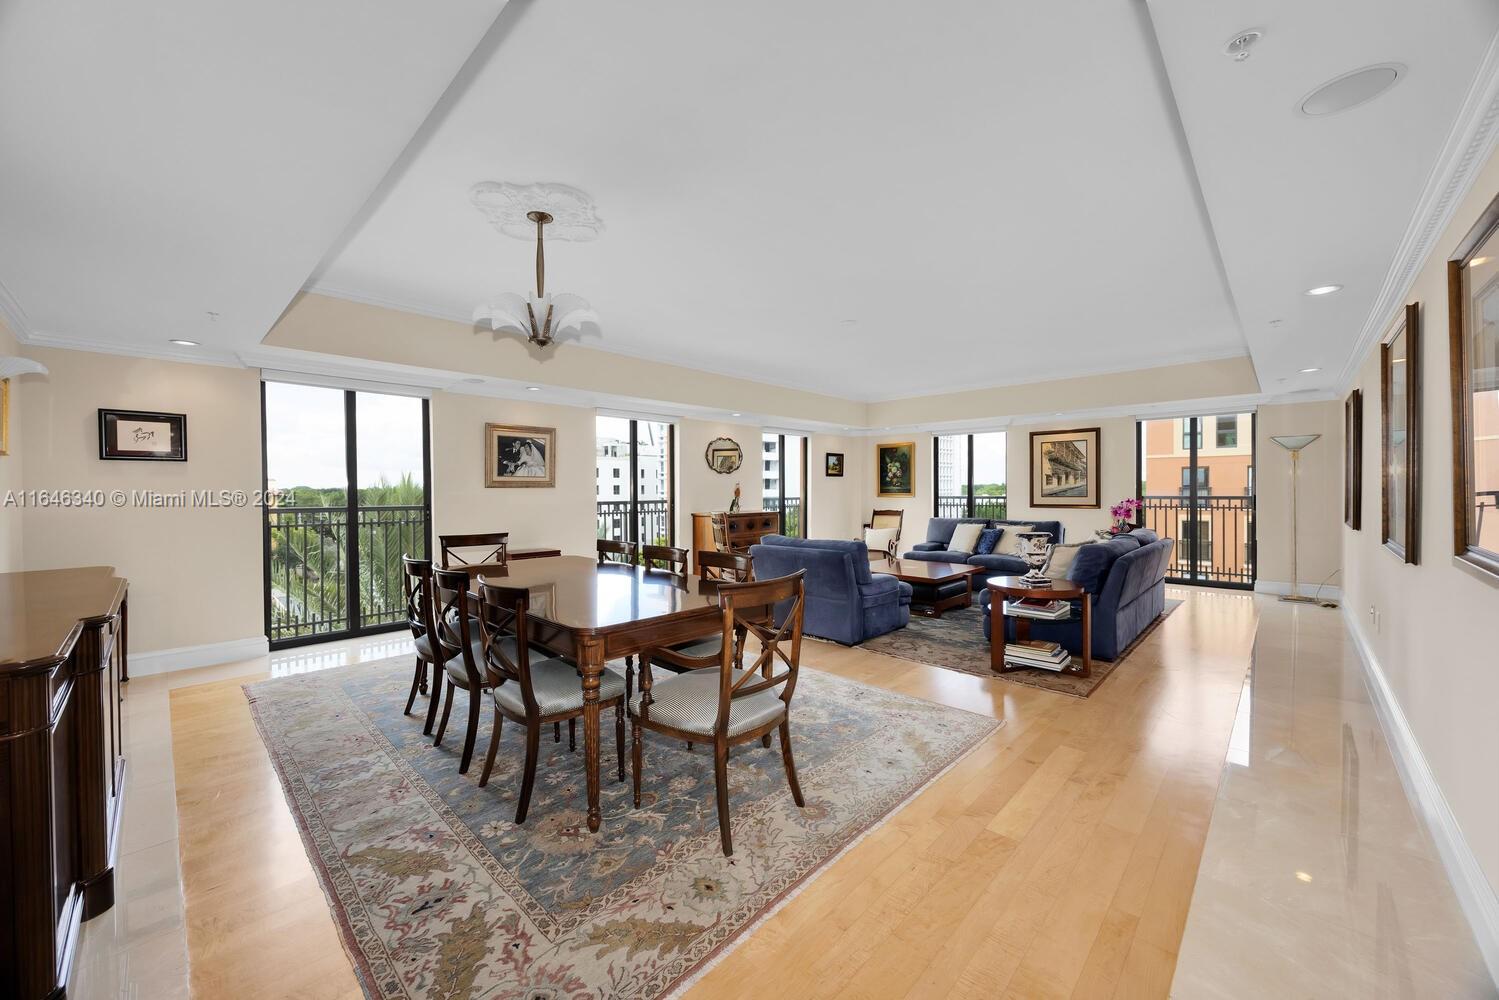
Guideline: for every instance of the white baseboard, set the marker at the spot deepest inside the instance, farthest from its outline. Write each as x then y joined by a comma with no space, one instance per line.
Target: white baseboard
1307,589
163,661
1474,893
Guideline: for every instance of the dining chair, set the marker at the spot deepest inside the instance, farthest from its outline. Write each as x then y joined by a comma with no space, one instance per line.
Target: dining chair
416,582
494,549
531,690
458,639
665,559
715,700
731,567
611,551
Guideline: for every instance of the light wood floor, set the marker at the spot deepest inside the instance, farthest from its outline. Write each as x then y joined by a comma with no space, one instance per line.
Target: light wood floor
1057,860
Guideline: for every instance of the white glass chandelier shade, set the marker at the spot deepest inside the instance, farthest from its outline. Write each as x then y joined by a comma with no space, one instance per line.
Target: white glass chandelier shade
540,319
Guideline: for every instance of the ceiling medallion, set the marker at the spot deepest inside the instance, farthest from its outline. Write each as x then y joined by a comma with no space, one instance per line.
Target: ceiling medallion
514,210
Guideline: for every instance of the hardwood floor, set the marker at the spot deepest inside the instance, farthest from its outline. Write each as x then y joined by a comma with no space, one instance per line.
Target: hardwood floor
1056,860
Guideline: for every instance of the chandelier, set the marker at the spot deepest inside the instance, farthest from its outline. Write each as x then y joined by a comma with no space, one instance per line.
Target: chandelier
539,317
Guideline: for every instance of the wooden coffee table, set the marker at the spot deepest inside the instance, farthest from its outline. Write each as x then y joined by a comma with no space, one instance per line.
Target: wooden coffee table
1002,587
931,582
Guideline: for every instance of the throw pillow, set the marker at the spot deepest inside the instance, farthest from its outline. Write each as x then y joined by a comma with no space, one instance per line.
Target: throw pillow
1009,544
964,538
1059,566
988,538
880,539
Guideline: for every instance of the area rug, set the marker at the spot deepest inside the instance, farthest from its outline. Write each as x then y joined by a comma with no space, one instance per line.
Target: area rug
956,641
437,894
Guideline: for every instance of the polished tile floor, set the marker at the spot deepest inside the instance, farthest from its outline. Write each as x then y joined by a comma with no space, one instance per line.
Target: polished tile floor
1316,879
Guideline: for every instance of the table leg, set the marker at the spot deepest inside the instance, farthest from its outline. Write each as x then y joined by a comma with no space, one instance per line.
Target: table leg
591,662
1087,668
996,631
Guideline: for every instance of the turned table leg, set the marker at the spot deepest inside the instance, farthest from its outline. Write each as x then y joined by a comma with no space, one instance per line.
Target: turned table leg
591,662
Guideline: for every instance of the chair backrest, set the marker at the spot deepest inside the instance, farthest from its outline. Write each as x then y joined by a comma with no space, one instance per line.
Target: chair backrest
665,559
493,546
454,632
887,519
745,605
416,582
729,567
617,552
503,615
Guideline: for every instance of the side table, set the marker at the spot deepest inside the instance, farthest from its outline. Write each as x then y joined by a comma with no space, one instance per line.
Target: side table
1003,587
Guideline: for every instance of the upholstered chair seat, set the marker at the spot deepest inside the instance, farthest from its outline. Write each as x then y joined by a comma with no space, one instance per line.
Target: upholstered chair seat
557,687
455,667
689,702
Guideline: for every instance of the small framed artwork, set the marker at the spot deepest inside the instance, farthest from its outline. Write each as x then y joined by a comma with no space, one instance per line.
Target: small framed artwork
519,456
1353,459
142,436
1400,437
833,464
895,469
1473,337
4,416
724,456
1065,468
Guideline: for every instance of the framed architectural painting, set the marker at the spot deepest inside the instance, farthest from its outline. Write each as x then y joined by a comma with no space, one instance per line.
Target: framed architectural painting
895,469
142,436
1353,459
833,464
519,456
1473,317
1400,437
1065,468
4,416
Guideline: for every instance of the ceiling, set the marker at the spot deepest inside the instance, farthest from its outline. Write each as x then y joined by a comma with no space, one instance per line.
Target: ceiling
802,194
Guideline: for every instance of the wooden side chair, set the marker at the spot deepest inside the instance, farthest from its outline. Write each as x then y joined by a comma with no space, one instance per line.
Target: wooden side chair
725,567
463,655
715,701
484,548
416,582
531,690
665,559
611,551
888,520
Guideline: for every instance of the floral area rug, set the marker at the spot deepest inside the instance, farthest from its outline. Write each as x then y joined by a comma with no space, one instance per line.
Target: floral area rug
956,641
437,894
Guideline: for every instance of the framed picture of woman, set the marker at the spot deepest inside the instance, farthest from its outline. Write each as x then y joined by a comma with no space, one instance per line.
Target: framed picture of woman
519,456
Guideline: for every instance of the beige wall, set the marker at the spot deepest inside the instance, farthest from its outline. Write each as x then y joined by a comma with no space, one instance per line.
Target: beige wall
918,508
699,488
1319,499
11,475
838,508
1434,627
195,574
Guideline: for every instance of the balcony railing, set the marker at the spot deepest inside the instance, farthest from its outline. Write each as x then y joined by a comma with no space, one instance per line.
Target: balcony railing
309,571
791,515
655,521
1222,528
992,508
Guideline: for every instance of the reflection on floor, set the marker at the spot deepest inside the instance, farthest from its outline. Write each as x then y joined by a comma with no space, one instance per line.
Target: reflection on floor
1317,879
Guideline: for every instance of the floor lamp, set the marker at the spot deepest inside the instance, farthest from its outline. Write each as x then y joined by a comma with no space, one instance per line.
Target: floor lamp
1294,443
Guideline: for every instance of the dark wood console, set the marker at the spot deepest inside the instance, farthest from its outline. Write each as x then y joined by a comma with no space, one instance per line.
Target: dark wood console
721,531
62,767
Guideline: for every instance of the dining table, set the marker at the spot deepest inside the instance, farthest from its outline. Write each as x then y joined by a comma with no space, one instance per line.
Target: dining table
592,613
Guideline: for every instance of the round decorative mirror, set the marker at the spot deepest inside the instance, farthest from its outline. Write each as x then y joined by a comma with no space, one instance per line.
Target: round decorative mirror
724,455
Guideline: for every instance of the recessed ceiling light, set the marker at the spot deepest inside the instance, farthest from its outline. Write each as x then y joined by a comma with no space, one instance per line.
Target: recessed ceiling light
1303,877
184,343
533,388
1308,371
1324,289
736,414
1350,90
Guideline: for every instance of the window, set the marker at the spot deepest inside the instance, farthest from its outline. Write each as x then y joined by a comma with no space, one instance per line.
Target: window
968,473
616,475
616,489
641,460
1191,428
1227,435
785,472
1202,480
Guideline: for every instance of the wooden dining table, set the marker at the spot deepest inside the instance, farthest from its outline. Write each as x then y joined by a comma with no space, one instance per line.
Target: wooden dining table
592,613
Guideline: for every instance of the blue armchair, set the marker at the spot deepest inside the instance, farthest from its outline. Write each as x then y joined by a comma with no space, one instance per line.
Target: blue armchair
939,532
845,602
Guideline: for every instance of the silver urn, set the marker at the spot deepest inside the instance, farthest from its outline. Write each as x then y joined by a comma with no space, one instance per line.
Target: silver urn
1035,549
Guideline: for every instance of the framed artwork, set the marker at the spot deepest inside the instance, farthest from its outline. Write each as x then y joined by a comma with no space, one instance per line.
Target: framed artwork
519,456
142,436
1353,459
833,464
1473,318
1065,468
724,455
1400,437
895,469
4,416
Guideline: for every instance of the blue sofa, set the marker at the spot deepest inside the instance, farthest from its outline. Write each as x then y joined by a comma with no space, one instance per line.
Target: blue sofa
1125,578
845,602
939,532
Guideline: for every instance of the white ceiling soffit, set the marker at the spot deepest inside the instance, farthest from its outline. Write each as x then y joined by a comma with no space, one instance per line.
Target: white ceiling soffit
1298,202
164,162
872,206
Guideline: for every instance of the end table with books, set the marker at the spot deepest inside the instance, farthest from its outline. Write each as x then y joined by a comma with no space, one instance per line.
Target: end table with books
1008,596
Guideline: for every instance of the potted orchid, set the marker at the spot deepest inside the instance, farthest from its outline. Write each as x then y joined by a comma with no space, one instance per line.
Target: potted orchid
1123,514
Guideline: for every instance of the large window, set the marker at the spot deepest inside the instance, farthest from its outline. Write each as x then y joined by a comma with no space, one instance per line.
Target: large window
784,464
1197,486
634,469
969,475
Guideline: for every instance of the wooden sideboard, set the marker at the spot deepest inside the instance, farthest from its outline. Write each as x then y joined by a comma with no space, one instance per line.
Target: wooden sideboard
62,767
738,530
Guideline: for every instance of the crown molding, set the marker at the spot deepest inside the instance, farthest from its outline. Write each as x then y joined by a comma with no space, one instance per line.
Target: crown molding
1469,145
124,349
14,315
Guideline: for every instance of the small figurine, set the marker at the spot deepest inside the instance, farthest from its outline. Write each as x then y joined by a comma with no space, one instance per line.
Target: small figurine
734,504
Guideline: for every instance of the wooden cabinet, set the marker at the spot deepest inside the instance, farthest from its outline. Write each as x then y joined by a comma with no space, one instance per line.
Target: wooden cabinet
720,531
62,657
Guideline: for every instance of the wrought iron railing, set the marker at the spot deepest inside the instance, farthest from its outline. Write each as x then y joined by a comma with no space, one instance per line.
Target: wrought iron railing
654,517
310,585
1215,540
791,514
989,507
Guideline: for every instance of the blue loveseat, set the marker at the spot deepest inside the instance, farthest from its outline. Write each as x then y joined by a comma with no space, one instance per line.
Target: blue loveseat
939,532
845,601
1125,578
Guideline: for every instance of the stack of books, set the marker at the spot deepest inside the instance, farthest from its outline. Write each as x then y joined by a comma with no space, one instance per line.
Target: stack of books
1035,608
1037,653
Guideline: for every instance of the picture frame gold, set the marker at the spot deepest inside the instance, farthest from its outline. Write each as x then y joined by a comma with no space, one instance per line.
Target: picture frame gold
4,416
895,469
519,456
1066,468
1400,437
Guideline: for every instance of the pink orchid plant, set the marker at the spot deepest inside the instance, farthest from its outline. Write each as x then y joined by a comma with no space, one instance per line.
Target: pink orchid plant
1123,514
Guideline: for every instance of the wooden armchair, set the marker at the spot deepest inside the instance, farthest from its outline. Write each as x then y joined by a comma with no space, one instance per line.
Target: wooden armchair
493,546
888,520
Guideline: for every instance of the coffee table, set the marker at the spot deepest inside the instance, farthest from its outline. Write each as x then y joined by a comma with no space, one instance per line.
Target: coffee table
935,586
1002,587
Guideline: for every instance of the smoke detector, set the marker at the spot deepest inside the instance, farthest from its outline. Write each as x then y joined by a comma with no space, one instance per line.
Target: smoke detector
1237,47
